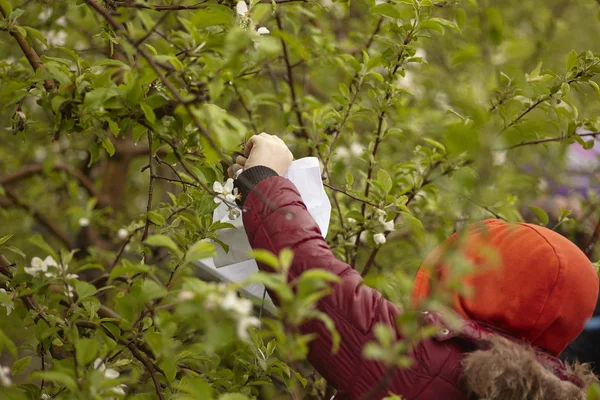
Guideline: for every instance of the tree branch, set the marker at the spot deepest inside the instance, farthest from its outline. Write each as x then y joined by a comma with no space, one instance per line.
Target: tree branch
34,169
552,139
197,6
51,226
290,80
119,28
30,54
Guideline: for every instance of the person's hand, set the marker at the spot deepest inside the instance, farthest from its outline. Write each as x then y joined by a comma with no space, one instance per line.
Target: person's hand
266,150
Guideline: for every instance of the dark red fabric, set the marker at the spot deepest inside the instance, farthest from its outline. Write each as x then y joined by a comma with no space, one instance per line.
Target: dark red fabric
275,218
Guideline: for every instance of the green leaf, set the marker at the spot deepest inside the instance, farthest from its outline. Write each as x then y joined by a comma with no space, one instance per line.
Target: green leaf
212,15
86,350
572,60
6,7
15,250
163,241
319,275
156,218
386,10
233,396
200,250
594,86
285,258
349,178
84,290
152,290
34,33
385,179
59,377
197,387
41,243
5,341
344,90
21,365
148,113
541,214
108,146
266,257
5,239
436,144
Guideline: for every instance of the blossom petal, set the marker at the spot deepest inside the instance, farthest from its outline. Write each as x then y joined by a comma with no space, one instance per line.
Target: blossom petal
111,373
50,262
37,262
218,199
263,31
99,365
241,8
228,185
217,187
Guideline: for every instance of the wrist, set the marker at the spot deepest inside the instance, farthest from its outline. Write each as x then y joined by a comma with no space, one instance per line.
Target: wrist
251,176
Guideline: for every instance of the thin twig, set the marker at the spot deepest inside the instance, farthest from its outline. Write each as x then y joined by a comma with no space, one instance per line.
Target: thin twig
336,189
246,108
41,218
150,190
119,28
34,169
290,80
552,139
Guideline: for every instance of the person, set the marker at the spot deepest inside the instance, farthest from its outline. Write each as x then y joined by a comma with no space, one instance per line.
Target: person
521,315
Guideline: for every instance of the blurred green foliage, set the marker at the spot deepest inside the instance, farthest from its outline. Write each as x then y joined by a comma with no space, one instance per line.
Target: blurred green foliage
118,116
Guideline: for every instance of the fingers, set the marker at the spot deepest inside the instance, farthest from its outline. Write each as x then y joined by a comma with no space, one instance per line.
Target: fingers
256,139
234,170
240,160
249,145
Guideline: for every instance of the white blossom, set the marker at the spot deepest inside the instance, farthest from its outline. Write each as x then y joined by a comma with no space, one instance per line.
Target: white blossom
342,151
227,191
62,21
263,31
123,233
243,324
37,265
45,396
388,226
351,221
109,373
9,306
5,376
69,291
56,38
241,8
119,389
356,149
240,306
498,157
84,222
40,154
379,238
45,14
186,295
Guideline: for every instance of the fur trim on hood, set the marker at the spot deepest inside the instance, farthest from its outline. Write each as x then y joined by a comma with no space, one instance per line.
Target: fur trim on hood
507,370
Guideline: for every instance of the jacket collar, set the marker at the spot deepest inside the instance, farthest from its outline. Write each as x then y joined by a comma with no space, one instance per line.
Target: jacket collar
480,334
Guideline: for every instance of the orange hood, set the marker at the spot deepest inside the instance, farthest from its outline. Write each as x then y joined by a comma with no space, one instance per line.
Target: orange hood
540,288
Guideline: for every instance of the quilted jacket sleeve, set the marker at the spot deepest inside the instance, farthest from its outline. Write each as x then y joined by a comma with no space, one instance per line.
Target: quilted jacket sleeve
276,218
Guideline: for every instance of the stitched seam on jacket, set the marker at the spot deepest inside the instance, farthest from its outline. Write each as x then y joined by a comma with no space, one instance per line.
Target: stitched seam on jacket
433,378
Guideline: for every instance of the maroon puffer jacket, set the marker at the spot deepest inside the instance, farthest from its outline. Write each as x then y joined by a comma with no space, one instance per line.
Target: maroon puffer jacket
353,307
275,218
